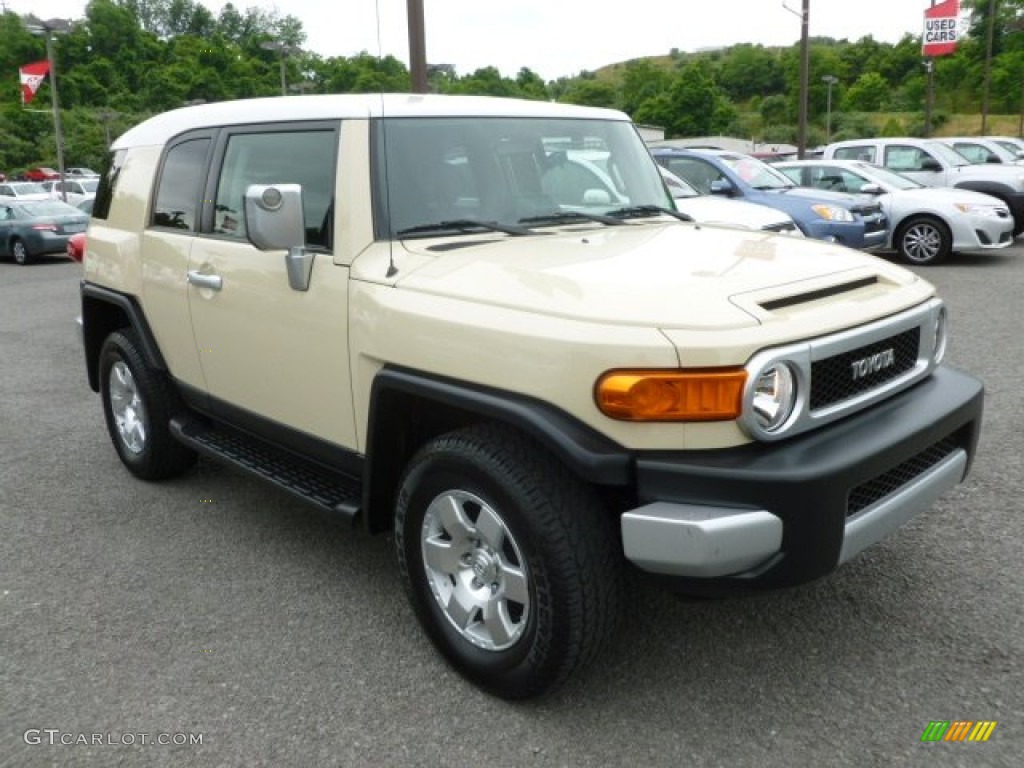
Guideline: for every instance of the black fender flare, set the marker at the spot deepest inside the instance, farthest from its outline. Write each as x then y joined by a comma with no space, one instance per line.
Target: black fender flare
104,311
408,408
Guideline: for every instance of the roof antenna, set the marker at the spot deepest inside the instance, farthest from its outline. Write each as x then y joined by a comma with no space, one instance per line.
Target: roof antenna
392,269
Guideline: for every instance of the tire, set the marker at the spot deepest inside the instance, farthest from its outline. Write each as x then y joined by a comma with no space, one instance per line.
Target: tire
512,566
138,402
923,240
19,252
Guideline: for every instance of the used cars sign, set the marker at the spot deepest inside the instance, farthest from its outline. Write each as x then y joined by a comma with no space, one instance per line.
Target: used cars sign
940,28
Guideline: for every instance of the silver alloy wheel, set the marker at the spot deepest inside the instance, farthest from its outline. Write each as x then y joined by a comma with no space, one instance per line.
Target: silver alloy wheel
476,571
922,242
127,407
20,252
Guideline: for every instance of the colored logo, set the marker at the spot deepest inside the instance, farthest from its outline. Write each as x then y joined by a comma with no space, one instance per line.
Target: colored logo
958,730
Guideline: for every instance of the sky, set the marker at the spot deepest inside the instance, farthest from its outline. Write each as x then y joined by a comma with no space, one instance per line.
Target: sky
561,38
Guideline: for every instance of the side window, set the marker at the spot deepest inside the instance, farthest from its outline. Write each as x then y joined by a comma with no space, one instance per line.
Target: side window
697,172
303,157
975,153
177,197
108,182
861,152
901,158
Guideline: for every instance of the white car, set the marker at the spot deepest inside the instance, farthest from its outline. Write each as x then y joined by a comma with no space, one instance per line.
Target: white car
1013,144
979,149
23,190
76,190
713,209
925,223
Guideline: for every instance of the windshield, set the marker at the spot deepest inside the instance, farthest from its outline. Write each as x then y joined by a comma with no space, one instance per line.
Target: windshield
90,185
887,177
504,170
947,153
757,174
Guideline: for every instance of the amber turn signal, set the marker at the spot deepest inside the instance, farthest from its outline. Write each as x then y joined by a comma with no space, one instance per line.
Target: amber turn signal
698,395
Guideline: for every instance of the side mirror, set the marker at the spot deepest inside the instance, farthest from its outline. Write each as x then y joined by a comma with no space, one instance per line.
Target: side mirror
870,189
993,159
274,220
930,164
721,187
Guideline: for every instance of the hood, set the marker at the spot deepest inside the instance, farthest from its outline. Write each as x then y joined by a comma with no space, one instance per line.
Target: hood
826,196
669,276
708,209
1011,172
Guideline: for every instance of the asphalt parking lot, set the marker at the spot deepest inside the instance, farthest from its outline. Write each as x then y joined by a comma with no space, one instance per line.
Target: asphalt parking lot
211,606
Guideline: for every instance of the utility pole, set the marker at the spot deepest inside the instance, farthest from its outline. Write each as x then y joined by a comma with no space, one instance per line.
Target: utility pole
283,49
805,65
988,64
417,46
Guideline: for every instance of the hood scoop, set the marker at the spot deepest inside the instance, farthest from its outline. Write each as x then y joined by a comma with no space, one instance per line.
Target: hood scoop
820,293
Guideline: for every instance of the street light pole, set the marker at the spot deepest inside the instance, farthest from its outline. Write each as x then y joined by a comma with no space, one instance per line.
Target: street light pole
283,49
48,29
830,80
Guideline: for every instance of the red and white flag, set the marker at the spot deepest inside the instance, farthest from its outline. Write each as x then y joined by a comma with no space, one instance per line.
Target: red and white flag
941,31
32,76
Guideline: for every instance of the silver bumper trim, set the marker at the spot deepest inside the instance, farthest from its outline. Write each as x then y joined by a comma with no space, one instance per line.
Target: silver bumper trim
885,516
699,541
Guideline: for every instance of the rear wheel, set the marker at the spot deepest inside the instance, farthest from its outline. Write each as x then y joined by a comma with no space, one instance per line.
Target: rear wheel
923,240
511,564
19,252
138,402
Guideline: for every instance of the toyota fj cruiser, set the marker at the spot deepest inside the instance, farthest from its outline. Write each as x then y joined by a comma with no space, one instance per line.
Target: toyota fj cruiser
414,313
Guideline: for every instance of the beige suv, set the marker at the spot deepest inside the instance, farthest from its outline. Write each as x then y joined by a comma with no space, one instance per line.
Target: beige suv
415,313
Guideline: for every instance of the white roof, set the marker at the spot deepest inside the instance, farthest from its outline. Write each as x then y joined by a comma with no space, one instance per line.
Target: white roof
159,129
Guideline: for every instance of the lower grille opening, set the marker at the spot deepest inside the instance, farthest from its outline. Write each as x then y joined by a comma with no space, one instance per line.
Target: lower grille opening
866,494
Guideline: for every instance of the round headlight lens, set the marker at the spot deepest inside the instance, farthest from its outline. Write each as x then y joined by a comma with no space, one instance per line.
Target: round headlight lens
774,396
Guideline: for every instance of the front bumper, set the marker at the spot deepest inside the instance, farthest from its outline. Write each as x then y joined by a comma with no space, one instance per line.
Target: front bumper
775,515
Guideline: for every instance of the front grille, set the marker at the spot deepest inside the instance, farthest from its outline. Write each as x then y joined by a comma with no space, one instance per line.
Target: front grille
832,379
875,224
866,494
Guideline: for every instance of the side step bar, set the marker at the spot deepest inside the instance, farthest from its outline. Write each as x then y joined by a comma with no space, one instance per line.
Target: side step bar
332,492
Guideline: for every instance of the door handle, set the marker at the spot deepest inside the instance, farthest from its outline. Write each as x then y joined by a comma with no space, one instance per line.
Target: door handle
213,282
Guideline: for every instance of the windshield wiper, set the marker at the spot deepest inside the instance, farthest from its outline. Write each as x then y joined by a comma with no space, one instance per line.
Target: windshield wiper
640,211
556,217
465,225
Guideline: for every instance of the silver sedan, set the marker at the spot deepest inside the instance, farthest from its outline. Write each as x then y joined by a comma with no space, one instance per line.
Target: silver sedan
925,223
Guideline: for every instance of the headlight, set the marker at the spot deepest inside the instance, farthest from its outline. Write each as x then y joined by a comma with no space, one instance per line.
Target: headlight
832,212
978,210
774,396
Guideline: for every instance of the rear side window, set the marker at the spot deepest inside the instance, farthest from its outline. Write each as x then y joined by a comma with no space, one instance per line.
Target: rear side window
177,196
108,183
864,153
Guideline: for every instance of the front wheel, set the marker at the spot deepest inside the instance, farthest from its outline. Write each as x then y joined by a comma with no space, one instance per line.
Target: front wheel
924,241
510,563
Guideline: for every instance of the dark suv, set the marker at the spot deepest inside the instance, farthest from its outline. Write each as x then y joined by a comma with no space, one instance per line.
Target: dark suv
853,220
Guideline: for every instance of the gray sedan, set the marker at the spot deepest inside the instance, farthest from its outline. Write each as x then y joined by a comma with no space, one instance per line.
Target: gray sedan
32,228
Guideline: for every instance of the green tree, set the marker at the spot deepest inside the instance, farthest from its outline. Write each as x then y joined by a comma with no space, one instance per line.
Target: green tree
868,94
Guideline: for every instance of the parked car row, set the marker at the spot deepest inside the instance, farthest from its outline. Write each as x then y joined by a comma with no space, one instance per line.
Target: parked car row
921,198
45,173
